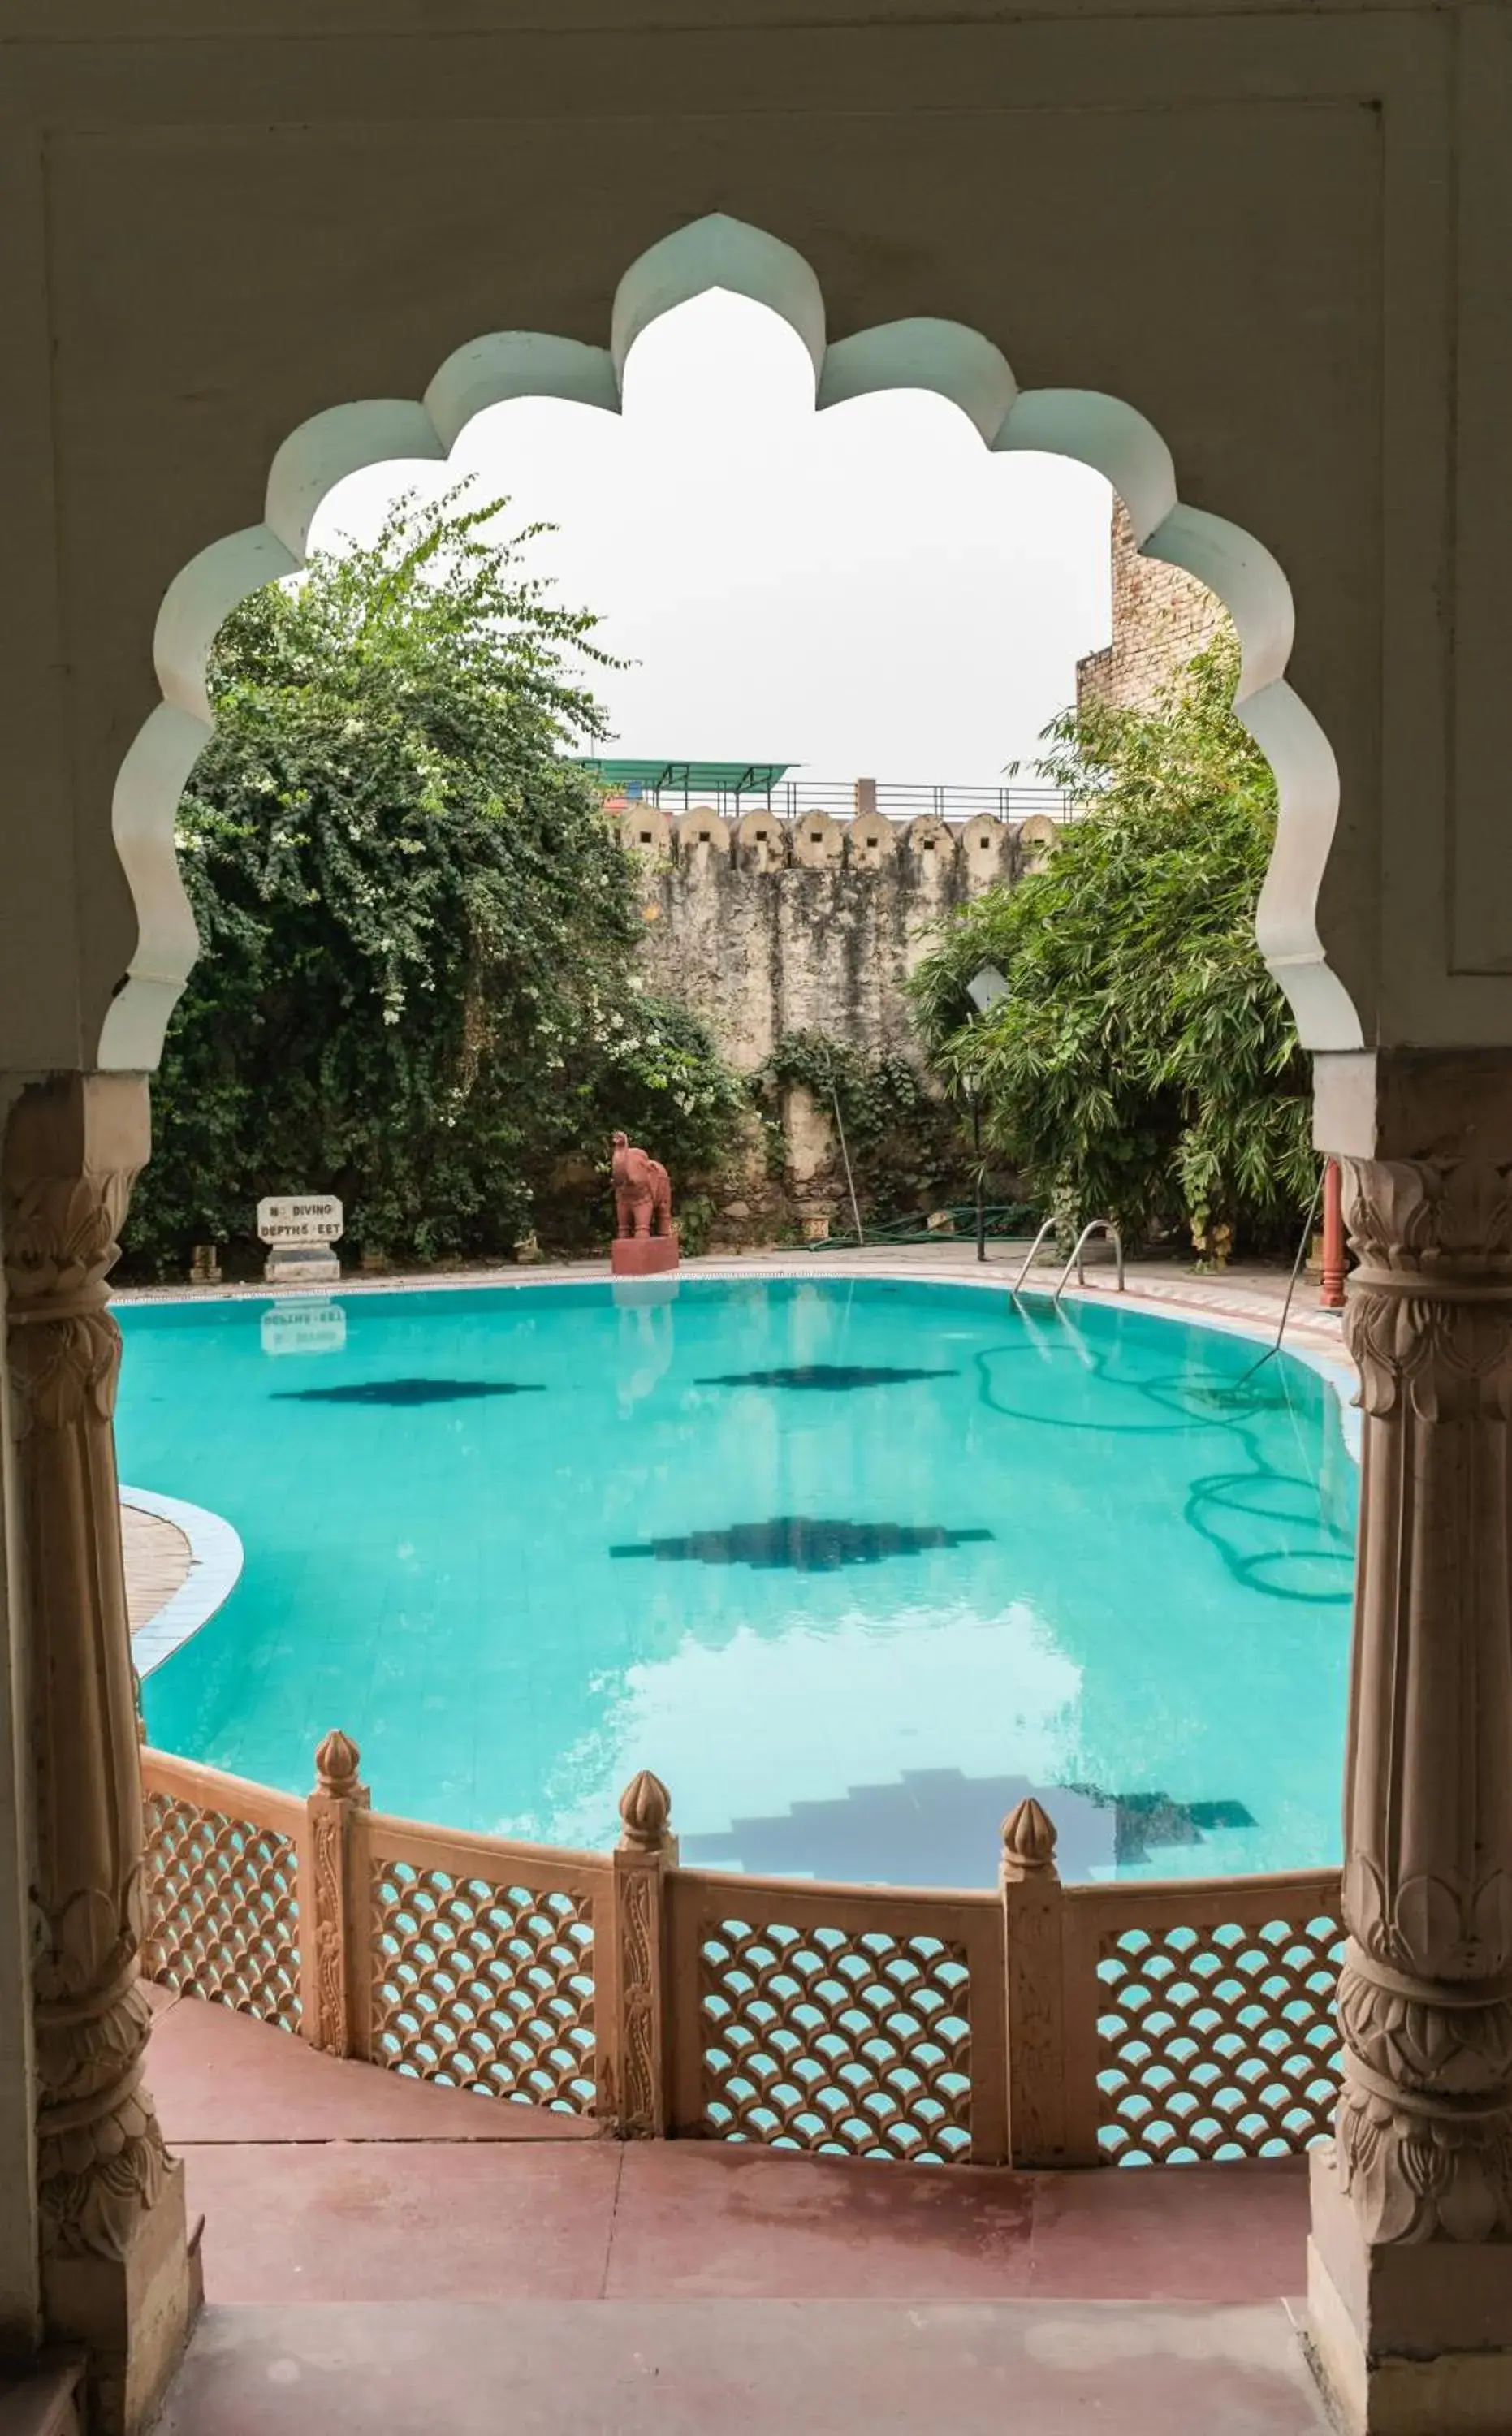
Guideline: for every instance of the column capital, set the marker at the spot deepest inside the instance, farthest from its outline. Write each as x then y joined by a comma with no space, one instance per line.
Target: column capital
1429,1316
73,1147
1414,1103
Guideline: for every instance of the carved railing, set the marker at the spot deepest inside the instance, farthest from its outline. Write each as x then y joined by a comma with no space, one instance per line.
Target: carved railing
1141,2022
1216,2032
864,2020
224,1909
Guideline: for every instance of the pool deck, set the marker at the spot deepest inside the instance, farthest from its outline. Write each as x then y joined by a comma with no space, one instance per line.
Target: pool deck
1247,1298
362,2229
158,1557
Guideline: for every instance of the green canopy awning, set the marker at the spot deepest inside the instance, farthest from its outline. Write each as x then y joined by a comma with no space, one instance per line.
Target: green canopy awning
635,778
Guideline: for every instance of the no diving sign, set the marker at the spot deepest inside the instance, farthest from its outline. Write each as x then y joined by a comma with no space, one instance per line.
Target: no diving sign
299,1218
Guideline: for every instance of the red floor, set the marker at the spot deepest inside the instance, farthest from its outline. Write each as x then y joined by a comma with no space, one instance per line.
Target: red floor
324,2183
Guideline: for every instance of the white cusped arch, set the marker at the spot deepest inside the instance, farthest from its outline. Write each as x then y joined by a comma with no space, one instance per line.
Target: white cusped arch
953,361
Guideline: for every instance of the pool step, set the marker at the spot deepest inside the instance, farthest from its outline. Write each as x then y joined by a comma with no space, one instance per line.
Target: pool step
938,1827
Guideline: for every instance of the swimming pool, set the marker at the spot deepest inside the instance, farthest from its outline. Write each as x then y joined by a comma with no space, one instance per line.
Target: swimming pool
852,1564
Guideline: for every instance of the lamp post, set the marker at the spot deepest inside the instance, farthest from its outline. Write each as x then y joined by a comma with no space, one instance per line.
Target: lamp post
972,1086
984,990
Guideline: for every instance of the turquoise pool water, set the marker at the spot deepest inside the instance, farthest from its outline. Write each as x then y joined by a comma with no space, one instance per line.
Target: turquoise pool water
852,1565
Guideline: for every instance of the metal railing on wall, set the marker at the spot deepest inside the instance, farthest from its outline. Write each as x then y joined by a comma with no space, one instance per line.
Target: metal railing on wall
1041,2024
842,798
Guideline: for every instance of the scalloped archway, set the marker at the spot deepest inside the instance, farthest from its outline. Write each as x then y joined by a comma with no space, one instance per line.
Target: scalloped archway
952,361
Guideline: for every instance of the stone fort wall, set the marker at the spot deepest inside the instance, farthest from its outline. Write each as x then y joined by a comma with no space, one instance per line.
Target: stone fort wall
768,925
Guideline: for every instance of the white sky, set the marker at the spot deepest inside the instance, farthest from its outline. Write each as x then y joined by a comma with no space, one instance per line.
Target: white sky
864,593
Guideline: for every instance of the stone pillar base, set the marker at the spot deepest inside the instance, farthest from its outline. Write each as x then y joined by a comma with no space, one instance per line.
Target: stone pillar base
133,2314
1406,2338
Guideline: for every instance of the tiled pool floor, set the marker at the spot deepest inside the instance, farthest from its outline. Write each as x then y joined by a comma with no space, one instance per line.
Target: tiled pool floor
911,1538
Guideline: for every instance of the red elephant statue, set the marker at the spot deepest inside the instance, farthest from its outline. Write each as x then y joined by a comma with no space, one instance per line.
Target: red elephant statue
643,1191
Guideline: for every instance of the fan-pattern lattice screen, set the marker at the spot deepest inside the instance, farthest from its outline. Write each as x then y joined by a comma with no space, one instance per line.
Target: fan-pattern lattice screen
850,2041
484,1987
222,1908
1218,2042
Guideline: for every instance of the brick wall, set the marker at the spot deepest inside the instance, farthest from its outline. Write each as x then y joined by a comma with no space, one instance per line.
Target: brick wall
1161,618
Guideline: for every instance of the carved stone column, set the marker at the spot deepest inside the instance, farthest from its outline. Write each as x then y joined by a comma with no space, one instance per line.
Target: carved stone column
1410,2296
116,2276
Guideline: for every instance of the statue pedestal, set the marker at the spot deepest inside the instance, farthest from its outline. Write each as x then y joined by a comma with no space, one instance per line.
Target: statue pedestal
302,1265
642,1256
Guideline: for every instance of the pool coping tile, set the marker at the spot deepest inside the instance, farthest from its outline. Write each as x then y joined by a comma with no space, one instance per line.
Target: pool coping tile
215,1561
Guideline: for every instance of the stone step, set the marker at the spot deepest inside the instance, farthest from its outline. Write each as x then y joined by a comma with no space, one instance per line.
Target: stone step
746,2367
46,2400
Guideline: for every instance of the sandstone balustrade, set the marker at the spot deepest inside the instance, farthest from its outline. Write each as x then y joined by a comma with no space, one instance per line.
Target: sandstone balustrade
1040,2024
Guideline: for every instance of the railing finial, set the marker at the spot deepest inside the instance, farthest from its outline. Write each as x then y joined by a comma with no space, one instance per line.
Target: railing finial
645,1808
337,1761
1027,1841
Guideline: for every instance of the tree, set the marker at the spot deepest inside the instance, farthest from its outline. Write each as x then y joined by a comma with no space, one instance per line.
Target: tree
1143,1065
416,921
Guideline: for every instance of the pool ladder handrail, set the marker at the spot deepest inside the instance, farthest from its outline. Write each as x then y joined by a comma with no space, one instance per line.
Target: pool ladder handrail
1077,1261
1033,1254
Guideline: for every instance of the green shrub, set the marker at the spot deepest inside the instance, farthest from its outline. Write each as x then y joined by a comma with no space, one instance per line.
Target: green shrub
1143,1065
417,925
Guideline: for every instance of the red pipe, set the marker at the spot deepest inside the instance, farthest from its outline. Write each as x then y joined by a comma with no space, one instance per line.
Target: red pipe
1331,1294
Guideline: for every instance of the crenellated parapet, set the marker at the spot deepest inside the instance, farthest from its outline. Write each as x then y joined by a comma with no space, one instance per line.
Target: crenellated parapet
984,850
